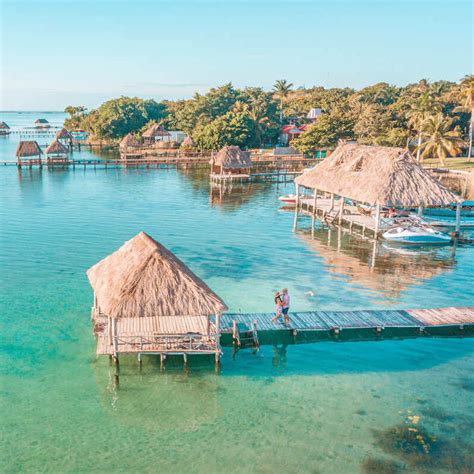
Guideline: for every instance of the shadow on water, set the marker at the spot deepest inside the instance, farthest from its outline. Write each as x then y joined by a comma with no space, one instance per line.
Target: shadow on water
374,265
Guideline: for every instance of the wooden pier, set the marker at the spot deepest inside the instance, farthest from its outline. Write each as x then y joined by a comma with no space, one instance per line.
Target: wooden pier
350,325
331,211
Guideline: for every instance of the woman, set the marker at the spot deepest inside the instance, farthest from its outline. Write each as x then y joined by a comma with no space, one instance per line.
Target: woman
278,308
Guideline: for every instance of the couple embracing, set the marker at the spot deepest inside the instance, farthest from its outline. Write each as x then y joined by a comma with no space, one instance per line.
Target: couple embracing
282,302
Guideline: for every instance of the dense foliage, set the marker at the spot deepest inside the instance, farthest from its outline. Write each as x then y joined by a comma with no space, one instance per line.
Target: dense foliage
380,114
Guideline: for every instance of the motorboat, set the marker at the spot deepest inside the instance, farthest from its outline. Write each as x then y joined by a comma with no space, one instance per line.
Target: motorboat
416,234
288,199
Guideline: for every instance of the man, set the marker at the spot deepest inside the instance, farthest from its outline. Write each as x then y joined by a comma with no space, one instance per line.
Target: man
286,306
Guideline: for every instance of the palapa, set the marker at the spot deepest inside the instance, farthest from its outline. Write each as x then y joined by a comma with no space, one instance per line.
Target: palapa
371,174
231,157
156,130
144,279
129,141
27,148
56,148
63,134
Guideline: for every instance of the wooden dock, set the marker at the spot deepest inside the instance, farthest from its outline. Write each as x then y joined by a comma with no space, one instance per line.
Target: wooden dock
328,212
349,325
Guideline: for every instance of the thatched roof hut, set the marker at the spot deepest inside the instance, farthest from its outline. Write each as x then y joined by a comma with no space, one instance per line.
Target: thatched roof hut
56,148
156,131
375,174
231,158
28,148
63,134
144,279
187,142
129,141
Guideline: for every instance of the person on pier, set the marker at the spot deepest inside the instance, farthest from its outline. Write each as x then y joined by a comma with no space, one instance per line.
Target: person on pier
278,307
285,297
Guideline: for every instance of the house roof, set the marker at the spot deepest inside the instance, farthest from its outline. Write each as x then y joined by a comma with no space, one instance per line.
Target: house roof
63,134
144,279
41,121
4,126
390,176
129,140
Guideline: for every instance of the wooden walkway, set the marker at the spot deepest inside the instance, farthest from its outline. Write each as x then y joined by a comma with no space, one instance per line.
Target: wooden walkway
331,320
350,217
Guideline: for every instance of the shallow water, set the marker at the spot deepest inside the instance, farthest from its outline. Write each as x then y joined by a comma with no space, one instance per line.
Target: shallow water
309,408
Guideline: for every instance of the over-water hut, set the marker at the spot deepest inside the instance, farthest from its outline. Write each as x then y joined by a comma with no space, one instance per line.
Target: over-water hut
42,123
28,152
129,141
4,128
56,153
230,163
146,300
188,143
377,176
64,137
155,133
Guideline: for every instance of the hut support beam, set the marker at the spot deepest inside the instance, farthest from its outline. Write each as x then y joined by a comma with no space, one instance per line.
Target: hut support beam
341,210
377,220
458,218
295,222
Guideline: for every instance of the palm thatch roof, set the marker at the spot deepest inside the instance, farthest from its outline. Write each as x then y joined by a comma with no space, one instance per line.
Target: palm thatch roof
232,157
27,148
156,130
56,148
41,121
144,279
369,174
64,134
187,142
4,126
129,141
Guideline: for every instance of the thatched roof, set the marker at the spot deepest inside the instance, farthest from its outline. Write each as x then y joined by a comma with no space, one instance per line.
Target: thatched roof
28,148
63,134
143,279
156,130
187,142
369,174
56,148
41,121
129,141
232,157
4,126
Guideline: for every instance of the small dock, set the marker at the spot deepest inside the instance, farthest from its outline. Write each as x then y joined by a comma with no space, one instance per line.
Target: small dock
351,325
329,212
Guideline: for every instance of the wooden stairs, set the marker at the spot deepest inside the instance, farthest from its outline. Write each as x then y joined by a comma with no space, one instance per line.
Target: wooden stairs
245,335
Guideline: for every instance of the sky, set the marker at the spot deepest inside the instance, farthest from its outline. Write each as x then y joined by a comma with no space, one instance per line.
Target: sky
77,52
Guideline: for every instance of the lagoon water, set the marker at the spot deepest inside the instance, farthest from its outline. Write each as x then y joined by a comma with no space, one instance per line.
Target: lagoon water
385,406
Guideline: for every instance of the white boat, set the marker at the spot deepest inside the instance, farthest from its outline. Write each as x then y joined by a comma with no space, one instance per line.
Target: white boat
413,234
288,199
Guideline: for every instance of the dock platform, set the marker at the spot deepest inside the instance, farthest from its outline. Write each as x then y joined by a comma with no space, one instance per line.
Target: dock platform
354,324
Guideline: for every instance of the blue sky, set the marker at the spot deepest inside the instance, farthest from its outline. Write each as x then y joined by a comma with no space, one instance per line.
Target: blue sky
82,52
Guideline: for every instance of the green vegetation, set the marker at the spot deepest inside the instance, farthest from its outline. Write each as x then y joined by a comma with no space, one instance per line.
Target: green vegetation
433,119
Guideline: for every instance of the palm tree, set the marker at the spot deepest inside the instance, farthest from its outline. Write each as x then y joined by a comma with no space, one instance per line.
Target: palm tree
419,112
281,90
441,140
467,92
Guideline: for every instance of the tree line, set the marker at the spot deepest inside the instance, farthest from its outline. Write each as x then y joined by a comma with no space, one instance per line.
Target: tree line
435,119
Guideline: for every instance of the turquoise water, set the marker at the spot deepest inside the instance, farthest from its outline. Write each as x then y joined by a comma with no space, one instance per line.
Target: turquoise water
323,407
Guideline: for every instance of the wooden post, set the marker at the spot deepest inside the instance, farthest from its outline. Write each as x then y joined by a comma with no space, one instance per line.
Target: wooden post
315,201
331,207
110,330
341,210
420,212
295,222
114,335
377,220
458,218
